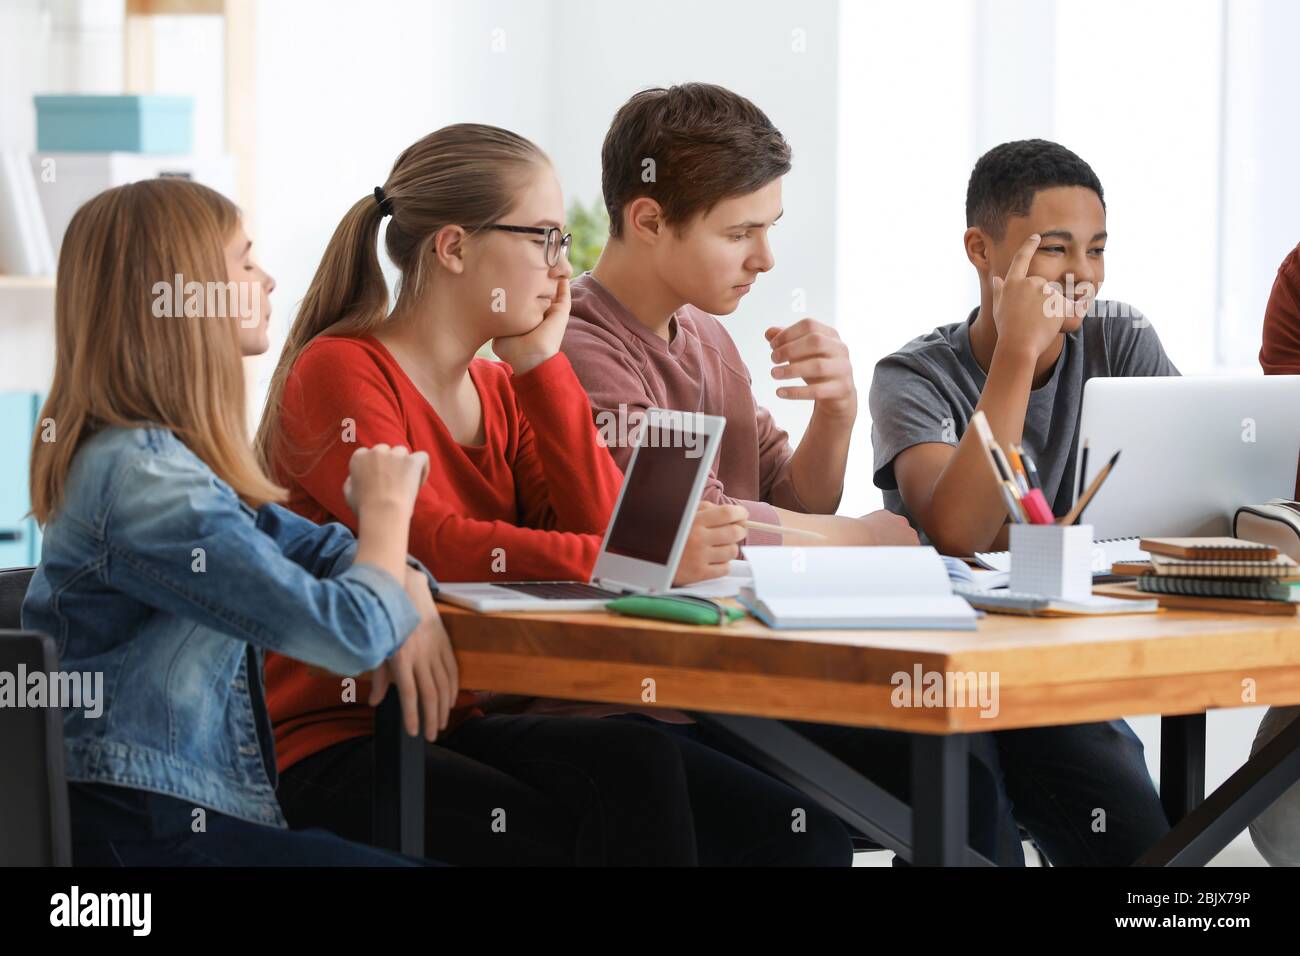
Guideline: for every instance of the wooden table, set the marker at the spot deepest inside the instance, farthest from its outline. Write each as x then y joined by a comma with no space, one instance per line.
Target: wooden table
744,677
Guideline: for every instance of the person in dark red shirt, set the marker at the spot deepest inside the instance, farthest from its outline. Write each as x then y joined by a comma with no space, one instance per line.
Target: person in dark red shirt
1280,352
1276,831
519,484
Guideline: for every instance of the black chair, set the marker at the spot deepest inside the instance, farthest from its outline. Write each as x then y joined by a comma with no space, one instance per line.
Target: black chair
397,821
34,829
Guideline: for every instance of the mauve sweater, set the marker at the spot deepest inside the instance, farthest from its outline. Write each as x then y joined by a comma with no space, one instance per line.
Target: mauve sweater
620,362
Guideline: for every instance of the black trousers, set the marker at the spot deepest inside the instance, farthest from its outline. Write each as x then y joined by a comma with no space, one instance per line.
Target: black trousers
510,789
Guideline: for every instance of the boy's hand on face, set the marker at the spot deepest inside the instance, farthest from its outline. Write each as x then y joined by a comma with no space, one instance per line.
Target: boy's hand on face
1027,312
813,351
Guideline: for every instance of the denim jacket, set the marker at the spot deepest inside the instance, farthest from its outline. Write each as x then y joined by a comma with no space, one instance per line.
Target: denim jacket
154,573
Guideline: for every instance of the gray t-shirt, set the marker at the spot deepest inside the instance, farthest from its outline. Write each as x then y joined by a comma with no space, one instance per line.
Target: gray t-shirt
928,389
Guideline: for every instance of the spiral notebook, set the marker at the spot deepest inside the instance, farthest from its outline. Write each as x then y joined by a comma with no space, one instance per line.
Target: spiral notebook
1105,552
1280,568
1245,589
1210,549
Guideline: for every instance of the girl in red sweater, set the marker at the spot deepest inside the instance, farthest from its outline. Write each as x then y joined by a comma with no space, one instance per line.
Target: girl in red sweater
519,485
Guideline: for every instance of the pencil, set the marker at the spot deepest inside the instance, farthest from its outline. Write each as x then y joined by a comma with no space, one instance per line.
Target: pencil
1006,488
1022,479
779,529
1031,470
1014,504
1075,513
1083,470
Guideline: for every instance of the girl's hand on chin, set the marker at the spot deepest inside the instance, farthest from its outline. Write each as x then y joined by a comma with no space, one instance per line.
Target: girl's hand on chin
525,352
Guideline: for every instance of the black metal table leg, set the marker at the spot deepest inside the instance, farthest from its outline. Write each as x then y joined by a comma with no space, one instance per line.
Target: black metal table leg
1182,764
940,773
398,812
863,805
1212,825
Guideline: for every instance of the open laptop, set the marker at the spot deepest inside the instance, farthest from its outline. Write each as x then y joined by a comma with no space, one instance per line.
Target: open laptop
1194,450
643,544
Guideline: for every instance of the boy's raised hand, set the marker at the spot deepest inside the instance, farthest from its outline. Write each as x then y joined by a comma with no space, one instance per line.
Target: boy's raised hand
529,350
813,351
1027,311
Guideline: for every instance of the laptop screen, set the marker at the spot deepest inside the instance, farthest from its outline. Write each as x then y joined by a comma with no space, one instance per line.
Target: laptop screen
658,491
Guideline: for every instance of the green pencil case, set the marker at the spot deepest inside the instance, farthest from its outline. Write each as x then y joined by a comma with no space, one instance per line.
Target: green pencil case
680,609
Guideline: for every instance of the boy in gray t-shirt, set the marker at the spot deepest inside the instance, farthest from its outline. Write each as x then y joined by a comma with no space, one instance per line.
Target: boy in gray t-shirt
1036,235
1037,226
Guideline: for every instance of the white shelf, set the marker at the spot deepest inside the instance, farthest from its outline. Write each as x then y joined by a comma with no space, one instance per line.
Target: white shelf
26,333
25,282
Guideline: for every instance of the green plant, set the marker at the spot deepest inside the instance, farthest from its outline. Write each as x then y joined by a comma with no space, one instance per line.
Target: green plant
590,229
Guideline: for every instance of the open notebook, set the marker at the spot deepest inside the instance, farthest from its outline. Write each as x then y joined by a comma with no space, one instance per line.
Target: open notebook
1105,552
868,588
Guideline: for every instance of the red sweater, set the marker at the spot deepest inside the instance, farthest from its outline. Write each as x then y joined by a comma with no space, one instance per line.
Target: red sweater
527,504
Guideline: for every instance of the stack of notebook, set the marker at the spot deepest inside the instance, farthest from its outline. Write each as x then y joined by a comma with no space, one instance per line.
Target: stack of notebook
1217,572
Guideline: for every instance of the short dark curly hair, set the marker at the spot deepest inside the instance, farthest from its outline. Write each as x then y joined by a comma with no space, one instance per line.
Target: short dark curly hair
1006,178
706,142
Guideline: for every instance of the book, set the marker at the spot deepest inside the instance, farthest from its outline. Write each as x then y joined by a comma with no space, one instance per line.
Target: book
861,588
25,247
1191,602
1279,568
1247,588
1209,549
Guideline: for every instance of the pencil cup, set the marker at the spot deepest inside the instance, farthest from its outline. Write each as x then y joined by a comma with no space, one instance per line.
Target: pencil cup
1053,560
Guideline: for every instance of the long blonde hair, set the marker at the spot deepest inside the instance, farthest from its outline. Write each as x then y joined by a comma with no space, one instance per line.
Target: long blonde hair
465,174
118,363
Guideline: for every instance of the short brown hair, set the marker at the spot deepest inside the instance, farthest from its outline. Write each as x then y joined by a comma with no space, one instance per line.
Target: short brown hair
707,144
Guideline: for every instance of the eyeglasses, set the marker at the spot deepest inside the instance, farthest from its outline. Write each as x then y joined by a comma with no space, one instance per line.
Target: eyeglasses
556,242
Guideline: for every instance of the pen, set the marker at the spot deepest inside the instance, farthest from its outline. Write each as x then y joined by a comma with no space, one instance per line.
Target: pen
1076,512
1001,470
1031,470
779,529
1083,470
1022,480
1012,502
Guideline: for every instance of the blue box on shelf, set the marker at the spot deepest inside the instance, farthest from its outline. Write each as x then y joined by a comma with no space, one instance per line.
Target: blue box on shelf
108,124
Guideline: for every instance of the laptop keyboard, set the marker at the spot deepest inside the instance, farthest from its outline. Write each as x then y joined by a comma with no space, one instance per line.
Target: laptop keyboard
562,590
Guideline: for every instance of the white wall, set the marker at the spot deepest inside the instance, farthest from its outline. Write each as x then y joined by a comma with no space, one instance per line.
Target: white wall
781,55
907,127
1261,143
342,92
24,54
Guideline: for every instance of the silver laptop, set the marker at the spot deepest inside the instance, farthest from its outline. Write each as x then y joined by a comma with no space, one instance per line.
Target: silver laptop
646,535
1194,450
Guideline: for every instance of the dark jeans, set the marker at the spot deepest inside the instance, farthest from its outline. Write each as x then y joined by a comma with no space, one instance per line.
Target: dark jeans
509,789
885,758
1082,791
119,826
